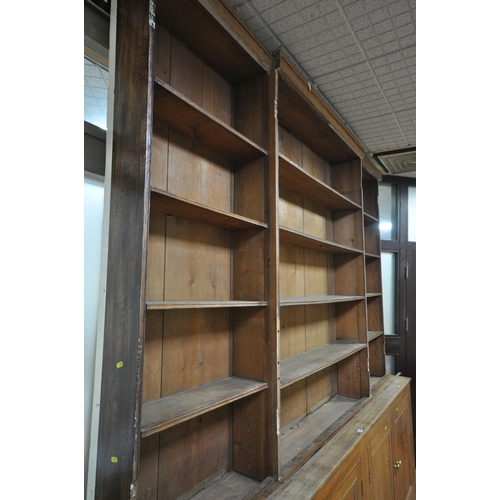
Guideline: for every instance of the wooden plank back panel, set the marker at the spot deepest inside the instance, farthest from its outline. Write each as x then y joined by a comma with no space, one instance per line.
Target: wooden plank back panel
155,265
292,271
346,178
293,331
249,328
373,276
370,198
377,357
349,381
318,322
200,83
350,321
249,190
249,436
248,265
162,48
319,388
375,315
159,156
147,479
372,238
200,446
196,348
316,272
293,404
153,348
290,146
297,151
348,275
198,174
348,229
249,109
291,213
314,165
316,219
197,261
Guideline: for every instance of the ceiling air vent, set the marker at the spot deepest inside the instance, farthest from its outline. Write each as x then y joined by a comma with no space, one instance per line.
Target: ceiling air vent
398,162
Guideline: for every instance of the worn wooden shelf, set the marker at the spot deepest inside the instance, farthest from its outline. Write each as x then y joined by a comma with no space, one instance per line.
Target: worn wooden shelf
303,184
371,295
302,365
231,485
318,299
372,256
373,334
299,443
230,51
369,217
292,237
177,112
153,305
160,414
167,203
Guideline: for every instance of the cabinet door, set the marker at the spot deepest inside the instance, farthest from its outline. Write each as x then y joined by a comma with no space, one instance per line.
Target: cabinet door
403,458
380,463
349,488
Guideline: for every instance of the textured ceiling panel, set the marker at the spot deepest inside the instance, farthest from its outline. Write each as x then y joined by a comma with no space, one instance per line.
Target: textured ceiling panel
359,54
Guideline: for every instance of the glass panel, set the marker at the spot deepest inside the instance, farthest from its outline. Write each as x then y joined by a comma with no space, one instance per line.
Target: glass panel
388,211
95,94
390,364
412,213
389,292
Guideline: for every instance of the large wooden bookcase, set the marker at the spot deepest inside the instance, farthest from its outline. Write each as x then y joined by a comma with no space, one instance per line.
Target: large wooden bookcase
244,309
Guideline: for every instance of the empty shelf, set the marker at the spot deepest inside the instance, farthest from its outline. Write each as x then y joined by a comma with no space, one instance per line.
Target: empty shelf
160,414
302,365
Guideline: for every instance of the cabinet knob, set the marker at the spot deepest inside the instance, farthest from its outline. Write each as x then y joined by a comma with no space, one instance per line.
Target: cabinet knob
397,464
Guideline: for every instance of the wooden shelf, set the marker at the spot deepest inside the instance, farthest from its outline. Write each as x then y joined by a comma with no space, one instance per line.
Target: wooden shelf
302,365
169,204
168,411
372,256
201,304
231,485
303,184
228,49
369,218
174,110
318,299
300,443
297,115
371,295
372,335
292,237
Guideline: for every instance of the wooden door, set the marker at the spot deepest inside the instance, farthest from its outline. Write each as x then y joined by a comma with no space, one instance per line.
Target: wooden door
350,488
380,477
403,457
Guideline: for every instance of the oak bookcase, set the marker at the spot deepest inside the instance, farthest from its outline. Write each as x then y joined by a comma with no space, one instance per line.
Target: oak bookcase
244,310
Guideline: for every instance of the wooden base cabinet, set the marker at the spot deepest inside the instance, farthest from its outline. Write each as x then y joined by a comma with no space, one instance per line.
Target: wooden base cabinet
371,458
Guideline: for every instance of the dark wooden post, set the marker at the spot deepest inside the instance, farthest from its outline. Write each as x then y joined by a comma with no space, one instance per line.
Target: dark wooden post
120,408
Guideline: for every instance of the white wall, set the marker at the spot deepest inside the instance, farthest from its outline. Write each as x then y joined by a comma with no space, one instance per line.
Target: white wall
93,219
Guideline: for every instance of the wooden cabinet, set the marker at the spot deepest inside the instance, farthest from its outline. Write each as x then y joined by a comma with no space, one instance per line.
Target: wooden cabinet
370,458
244,310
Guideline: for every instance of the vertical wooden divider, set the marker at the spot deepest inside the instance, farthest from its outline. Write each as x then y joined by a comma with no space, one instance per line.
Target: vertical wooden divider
120,407
273,254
